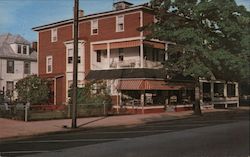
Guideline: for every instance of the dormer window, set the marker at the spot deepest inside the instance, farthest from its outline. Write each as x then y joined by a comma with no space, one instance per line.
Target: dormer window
94,27
54,35
24,49
120,23
19,49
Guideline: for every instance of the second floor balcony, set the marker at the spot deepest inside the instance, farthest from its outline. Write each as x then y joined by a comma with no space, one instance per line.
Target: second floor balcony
144,56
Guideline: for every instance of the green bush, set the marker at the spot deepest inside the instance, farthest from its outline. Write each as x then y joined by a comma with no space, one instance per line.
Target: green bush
32,89
94,93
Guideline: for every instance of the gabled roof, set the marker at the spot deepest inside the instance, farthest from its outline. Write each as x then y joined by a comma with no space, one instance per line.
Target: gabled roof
7,52
91,16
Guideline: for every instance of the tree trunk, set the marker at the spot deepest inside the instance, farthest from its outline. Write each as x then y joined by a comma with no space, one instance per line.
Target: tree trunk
197,107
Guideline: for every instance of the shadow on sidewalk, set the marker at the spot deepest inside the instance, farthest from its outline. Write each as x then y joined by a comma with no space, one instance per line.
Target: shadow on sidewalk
101,118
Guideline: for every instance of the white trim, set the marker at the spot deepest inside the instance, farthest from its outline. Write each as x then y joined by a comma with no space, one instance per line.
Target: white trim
54,35
55,91
139,107
117,40
47,58
117,28
141,22
186,105
92,27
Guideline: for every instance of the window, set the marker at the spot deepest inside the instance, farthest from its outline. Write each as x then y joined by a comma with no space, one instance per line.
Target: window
10,66
54,35
230,90
218,90
9,87
70,56
121,54
120,23
98,56
24,49
49,64
26,68
19,48
94,27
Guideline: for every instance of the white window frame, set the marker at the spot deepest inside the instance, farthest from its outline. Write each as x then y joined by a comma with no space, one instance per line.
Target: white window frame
118,22
49,64
94,26
54,35
28,68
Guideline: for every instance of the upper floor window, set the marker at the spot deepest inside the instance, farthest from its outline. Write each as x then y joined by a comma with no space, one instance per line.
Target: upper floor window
120,23
24,49
9,87
10,66
94,27
19,48
54,35
26,68
70,56
49,64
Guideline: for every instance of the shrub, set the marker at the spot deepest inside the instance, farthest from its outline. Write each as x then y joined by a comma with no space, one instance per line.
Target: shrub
32,89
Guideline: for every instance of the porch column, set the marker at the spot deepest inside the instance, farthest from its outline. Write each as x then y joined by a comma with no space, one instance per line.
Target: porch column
237,93
141,55
225,93
55,91
212,92
108,54
142,100
201,93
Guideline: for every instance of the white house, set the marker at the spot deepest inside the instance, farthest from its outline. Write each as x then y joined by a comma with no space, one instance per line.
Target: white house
17,60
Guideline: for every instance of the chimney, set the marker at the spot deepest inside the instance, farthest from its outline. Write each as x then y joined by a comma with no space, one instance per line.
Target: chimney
34,46
120,4
81,13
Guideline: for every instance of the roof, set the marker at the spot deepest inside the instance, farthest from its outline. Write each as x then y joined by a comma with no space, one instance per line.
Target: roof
7,52
90,16
125,73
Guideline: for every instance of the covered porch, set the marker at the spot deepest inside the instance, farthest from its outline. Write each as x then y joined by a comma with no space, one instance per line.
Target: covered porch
152,96
219,94
122,54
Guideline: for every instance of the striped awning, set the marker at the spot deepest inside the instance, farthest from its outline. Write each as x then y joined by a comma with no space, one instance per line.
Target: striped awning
160,85
147,85
100,47
125,44
130,85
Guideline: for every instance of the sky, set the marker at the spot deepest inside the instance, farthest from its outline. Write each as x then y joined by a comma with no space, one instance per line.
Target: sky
20,16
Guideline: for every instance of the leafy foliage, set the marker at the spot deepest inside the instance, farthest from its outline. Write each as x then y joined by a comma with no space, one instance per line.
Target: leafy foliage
212,37
94,92
32,89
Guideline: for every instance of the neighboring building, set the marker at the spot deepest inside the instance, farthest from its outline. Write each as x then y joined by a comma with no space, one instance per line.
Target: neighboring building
111,48
17,60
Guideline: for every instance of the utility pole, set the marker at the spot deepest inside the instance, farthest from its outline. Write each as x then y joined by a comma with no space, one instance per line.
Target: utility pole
75,65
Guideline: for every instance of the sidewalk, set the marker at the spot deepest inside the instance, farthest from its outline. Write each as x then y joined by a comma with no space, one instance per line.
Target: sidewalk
15,129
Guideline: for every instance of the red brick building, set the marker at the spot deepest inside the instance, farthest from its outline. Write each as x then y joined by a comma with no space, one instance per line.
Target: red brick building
111,48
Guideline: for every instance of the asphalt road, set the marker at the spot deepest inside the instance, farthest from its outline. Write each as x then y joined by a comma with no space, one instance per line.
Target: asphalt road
214,134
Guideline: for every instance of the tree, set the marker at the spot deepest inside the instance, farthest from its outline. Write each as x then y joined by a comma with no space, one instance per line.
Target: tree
213,36
32,89
93,92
